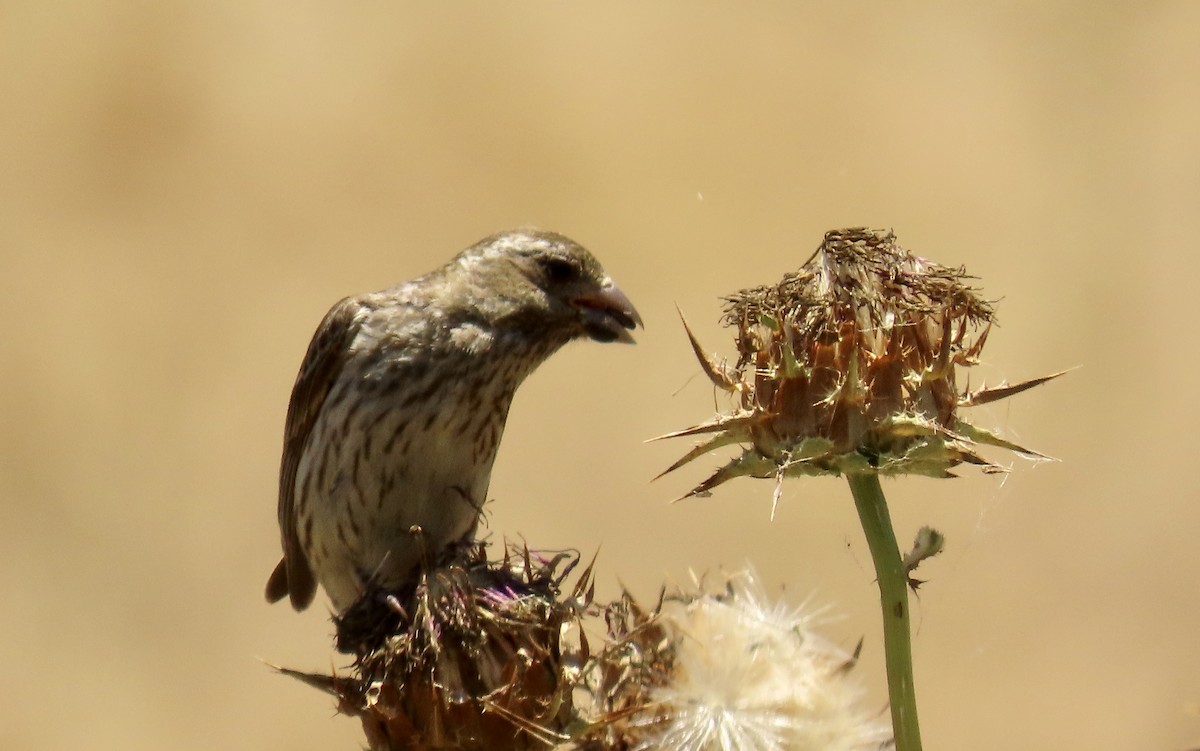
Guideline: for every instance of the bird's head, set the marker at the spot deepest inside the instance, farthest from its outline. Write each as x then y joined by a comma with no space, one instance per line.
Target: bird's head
547,281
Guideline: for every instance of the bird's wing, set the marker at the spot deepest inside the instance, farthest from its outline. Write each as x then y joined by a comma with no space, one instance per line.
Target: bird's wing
322,364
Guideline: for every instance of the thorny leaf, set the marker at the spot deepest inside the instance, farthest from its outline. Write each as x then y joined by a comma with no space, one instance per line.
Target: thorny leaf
985,395
719,373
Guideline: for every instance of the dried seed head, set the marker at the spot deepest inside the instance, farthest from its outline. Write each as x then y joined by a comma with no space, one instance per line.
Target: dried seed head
849,365
727,670
478,660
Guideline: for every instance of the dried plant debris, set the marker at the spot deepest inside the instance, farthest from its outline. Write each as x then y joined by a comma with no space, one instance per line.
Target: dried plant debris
850,365
476,661
637,657
928,543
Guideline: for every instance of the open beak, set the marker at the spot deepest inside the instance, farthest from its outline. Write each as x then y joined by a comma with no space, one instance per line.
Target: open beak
607,314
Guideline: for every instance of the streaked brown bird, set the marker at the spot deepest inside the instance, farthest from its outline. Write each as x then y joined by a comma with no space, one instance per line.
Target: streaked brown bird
401,400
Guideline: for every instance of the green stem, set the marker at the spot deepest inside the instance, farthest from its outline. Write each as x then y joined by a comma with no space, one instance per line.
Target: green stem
893,596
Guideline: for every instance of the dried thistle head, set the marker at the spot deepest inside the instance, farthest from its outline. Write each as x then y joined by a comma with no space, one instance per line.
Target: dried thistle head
713,671
850,365
478,659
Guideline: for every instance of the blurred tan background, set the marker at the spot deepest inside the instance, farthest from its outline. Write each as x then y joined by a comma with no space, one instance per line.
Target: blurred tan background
187,187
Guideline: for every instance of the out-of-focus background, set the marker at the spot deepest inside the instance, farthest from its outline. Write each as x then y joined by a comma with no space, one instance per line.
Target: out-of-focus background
186,187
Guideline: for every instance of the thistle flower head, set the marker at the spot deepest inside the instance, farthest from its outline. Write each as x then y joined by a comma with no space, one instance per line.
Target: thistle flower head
732,671
478,660
850,365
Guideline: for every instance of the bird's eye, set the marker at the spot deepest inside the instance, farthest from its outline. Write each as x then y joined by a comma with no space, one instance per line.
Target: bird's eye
559,270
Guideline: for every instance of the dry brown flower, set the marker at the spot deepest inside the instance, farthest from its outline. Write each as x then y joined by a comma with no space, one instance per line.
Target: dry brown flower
723,670
850,365
479,659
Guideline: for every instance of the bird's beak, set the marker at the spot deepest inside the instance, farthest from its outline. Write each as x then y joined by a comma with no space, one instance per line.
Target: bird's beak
607,314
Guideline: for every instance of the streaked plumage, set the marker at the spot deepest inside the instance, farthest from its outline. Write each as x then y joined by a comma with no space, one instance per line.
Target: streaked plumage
401,401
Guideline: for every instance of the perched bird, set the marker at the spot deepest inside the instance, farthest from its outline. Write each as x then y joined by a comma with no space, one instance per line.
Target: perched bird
401,400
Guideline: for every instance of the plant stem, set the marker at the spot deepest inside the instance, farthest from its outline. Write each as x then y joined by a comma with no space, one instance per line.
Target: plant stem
893,597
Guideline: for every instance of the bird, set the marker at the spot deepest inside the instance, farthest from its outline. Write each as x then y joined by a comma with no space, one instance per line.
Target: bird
400,404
